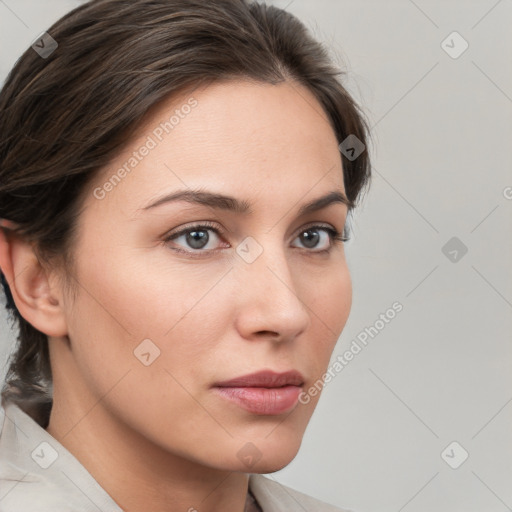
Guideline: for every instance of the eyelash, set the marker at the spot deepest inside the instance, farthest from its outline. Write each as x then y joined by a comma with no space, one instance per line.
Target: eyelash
334,235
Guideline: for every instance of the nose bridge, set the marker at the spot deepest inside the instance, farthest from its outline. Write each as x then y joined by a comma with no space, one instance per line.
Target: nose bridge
267,263
272,301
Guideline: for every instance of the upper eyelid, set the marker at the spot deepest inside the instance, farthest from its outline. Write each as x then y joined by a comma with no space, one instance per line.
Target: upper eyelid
208,225
189,227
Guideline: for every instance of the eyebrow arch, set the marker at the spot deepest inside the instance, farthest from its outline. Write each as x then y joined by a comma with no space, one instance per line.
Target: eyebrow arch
223,202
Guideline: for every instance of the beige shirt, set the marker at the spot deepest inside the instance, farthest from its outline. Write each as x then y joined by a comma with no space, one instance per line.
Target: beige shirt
37,474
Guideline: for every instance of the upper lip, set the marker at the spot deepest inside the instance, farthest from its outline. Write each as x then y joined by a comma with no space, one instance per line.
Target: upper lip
264,379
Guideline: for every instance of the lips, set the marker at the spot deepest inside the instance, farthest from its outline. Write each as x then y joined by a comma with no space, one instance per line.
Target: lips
265,379
265,392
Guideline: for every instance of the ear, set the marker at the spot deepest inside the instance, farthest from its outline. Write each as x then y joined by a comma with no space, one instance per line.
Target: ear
36,292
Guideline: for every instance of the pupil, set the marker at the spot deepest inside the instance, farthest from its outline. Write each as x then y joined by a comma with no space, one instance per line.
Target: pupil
197,239
310,238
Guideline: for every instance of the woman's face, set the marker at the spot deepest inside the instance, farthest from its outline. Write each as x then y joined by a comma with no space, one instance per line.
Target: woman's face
167,308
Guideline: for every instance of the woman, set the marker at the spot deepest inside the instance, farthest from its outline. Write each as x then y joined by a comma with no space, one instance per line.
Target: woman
175,181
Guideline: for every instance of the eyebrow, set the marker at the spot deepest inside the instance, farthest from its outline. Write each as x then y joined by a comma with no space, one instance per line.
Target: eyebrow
228,203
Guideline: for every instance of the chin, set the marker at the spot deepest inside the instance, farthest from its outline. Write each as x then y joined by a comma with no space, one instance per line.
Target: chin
271,466
275,456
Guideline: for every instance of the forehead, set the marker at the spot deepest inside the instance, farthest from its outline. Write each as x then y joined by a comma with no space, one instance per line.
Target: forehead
237,136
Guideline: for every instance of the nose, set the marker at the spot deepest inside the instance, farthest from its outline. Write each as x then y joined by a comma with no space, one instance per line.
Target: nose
268,302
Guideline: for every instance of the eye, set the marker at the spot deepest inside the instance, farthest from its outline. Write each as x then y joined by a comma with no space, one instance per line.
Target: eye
321,238
196,237
201,239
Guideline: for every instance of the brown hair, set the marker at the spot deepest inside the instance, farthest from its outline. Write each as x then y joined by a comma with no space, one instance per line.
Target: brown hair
65,116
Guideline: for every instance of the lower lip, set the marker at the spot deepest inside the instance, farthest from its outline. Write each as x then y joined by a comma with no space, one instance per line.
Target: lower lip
270,401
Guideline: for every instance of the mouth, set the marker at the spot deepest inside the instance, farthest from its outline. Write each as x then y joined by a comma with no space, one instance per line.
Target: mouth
264,393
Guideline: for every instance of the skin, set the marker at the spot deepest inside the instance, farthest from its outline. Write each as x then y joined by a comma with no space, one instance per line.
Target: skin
157,437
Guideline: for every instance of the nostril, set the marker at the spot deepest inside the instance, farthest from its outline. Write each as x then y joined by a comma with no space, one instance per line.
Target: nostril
271,333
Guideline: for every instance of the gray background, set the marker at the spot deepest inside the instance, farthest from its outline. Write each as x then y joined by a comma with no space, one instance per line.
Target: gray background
440,371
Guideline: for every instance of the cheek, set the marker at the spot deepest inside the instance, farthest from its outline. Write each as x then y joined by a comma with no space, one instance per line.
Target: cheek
136,296
329,302
329,299
119,306
113,318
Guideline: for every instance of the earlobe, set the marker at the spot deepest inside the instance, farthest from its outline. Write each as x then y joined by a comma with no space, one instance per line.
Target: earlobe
37,301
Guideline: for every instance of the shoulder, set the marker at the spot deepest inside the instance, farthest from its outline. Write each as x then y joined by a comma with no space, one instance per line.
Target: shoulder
38,473
274,496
